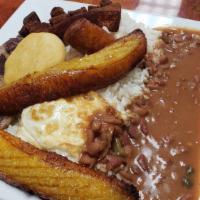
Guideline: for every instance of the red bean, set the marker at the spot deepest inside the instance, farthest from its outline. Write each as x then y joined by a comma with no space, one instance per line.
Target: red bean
125,139
126,175
118,130
87,160
114,161
132,131
11,44
96,147
152,85
135,118
2,63
112,119
144,127
57,11
143,163
140,101
90,136
186,197
135,170
96,125
141,111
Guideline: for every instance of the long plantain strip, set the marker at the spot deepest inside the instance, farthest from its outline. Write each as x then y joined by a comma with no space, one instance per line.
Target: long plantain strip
52,176
76,76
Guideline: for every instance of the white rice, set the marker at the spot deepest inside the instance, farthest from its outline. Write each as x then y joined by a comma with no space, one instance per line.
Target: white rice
127,25
132,85
120,94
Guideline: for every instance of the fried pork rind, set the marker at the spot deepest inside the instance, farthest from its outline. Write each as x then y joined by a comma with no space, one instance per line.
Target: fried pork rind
75,76
87,37
54,177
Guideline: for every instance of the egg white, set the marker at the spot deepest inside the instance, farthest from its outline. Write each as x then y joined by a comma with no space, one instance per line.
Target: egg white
60,126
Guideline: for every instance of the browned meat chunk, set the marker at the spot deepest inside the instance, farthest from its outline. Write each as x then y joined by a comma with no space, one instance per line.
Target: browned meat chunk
108,15
87,37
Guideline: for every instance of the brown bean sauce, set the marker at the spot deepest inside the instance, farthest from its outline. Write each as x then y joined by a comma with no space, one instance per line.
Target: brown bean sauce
172,145
158,151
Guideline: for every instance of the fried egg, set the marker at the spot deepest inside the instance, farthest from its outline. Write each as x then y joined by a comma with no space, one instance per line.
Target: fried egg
60,125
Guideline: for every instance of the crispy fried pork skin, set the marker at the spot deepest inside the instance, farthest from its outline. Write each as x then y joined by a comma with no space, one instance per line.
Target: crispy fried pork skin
87,37
54,177
75,76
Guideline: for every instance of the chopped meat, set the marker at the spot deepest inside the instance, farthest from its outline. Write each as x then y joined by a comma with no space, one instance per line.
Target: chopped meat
23,31
1,80
57,19
11,44
57,11
2,62
32,17
31,20
132,131
79,11
87,37
105,2
90,7
108,15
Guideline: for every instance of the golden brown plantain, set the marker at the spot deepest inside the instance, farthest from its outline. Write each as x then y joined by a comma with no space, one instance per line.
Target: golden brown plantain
75,76
54,177
87,37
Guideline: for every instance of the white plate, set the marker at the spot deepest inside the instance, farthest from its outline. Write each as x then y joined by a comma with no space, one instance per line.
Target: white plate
43,8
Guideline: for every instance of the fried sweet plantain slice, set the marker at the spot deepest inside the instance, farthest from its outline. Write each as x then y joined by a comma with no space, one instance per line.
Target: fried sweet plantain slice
75,76
54,177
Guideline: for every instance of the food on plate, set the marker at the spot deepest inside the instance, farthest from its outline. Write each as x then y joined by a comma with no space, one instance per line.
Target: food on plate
166,137
172,124
137,137
53,177
87,37
32,24
107,14
75,76
61,125
35,53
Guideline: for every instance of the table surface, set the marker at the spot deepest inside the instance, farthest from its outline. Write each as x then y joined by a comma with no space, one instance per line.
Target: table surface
184,8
